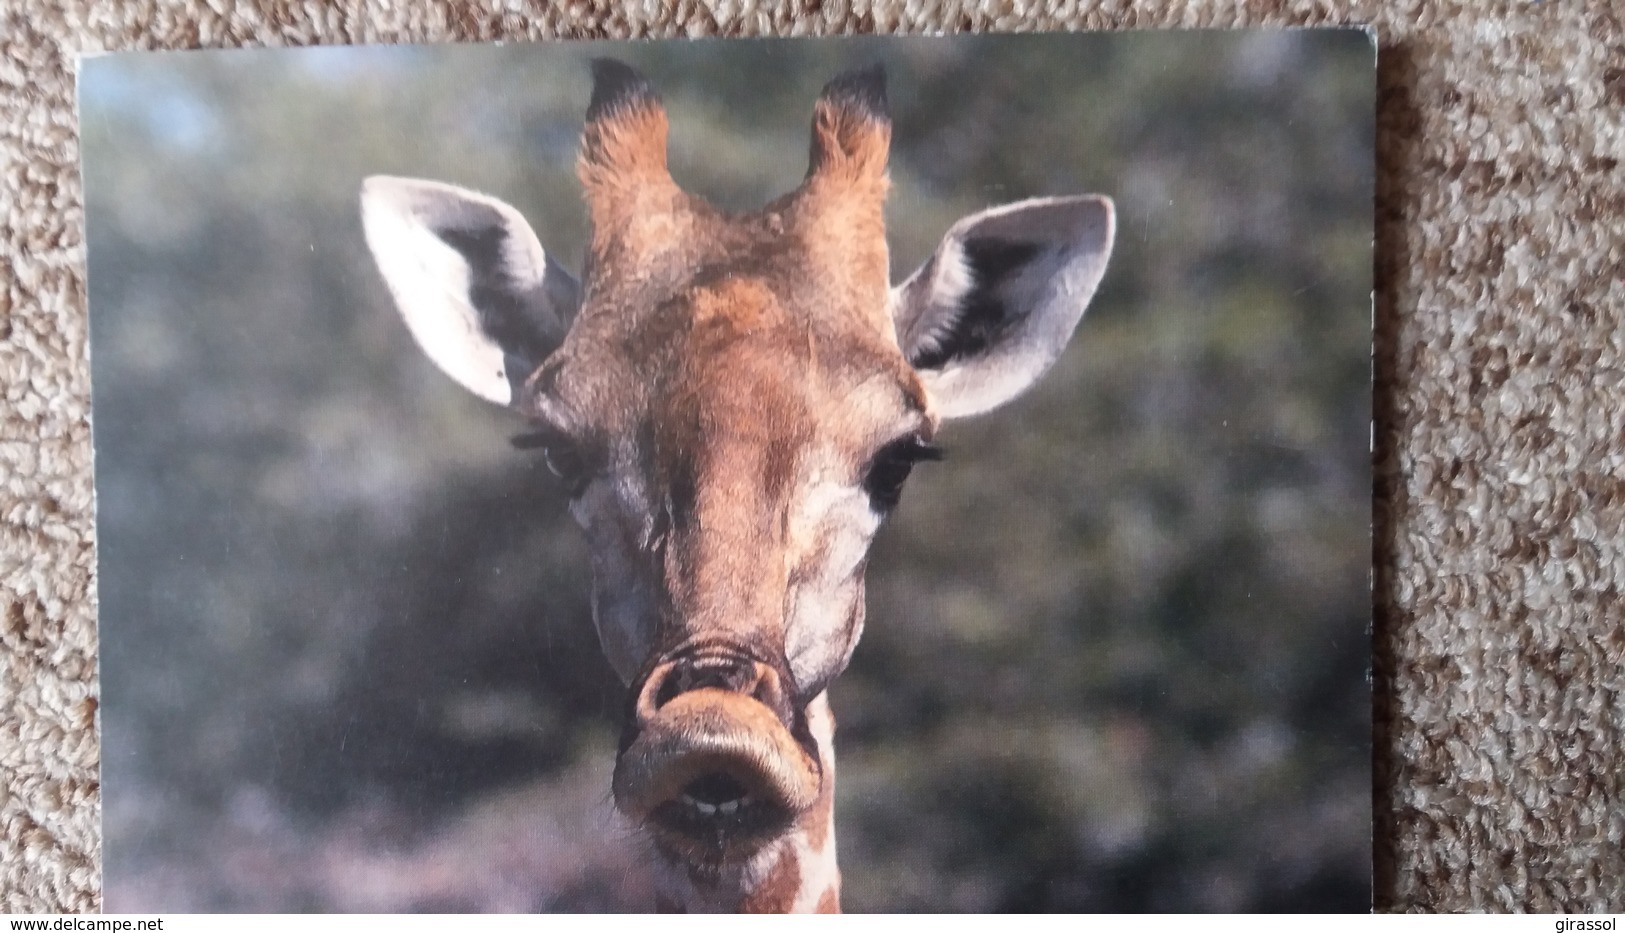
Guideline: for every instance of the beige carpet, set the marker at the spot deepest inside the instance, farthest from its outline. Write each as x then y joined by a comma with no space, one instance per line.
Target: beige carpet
1500,640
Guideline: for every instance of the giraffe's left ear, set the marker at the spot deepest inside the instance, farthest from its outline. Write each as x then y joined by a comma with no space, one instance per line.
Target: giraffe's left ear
995,305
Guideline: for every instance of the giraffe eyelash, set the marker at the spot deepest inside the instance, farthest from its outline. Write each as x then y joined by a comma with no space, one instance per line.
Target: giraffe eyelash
532,440
890,468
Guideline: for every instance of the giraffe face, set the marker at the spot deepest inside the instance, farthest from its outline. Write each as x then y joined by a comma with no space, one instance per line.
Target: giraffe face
732,493
733,402
729,499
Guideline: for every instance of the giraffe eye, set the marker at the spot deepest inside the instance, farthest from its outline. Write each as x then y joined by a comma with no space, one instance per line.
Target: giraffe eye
563,458
891,467
564,461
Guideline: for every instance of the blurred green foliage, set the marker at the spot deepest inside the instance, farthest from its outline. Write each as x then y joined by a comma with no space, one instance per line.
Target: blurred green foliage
1118,642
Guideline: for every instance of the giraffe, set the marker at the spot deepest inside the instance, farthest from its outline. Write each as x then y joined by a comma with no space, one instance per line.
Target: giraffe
733,402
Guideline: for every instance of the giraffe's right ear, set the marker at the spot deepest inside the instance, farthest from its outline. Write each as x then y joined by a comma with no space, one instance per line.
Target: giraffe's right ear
478,293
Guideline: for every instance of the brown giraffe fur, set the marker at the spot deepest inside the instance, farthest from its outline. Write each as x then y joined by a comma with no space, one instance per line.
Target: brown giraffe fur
734,399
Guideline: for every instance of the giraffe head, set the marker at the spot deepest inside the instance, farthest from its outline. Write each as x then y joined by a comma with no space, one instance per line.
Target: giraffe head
734,402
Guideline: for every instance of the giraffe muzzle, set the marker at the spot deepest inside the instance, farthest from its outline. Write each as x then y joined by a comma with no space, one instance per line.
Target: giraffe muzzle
714,764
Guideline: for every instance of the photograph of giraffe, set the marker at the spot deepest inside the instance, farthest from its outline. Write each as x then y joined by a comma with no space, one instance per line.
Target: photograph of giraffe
515,462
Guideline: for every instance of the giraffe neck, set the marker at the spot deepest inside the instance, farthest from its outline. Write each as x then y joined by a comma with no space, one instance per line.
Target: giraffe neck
796,874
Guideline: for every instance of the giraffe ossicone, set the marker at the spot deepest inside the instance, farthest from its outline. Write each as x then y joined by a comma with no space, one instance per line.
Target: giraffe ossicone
734,401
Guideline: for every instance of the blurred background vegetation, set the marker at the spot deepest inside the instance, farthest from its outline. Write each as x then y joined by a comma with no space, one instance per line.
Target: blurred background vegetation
1118,642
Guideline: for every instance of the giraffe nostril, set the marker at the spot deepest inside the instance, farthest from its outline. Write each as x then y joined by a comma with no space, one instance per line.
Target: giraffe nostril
730,671
680,681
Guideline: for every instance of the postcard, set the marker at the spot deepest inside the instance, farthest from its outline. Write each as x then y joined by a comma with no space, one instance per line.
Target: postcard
860,474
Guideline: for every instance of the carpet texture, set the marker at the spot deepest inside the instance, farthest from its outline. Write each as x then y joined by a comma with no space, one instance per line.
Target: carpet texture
1499,687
